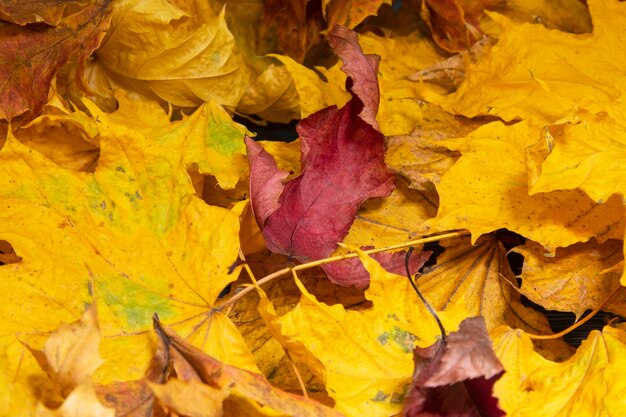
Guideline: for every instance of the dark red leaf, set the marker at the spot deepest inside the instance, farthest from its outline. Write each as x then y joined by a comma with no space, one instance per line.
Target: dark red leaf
361,69
455,378
352,272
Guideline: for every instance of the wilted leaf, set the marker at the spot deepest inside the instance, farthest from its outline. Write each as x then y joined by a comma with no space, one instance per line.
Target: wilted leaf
364,356
588,383
482,193
455,376
574,279
30,57
183,52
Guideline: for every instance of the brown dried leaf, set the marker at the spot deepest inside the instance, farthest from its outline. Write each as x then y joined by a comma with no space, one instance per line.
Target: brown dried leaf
30,56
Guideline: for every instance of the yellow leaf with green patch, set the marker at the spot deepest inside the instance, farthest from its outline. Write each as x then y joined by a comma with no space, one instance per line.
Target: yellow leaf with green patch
131,237
364,356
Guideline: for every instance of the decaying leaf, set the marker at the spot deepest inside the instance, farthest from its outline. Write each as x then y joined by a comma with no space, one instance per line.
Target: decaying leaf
30,56
455,376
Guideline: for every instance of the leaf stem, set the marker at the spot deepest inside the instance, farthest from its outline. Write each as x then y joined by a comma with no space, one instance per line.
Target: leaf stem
430,308
324,261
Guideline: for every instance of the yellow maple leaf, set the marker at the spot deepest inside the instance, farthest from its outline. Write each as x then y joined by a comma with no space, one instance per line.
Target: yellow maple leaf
365,357
544,75
482,193
587,384
131,237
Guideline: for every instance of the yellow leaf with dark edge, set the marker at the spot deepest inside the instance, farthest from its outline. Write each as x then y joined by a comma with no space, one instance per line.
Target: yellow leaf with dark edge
590,383
574,279
483,193
248,393
131,237
365,356
30,57
541,74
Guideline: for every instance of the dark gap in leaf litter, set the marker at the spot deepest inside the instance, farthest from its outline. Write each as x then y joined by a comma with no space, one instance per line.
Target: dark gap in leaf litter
7,254
276,132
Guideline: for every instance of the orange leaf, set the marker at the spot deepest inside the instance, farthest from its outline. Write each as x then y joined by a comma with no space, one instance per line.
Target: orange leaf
30,57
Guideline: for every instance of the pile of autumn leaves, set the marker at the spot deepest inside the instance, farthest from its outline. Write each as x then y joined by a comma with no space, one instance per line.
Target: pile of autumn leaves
134,208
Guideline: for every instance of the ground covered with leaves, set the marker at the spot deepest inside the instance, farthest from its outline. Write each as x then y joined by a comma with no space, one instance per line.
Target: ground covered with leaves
166,248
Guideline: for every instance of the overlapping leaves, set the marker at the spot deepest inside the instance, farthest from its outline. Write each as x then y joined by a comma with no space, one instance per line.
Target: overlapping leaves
123,185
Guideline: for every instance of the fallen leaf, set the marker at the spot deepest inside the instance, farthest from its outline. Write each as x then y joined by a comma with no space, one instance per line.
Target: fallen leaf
454,24
24,12
477,279
361,69
538,74
183,52
535,386
70,355
482,193
245,389
364,356
574,279
81,402
190,399
314,93
418,157
455,376
137,254
308,216
348,14
567,15
29,58
297,23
